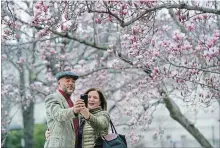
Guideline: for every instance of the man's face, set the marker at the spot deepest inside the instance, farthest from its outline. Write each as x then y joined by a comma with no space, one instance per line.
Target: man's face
67,84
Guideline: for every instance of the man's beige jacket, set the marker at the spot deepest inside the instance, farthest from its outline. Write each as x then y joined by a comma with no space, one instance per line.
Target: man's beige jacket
59,122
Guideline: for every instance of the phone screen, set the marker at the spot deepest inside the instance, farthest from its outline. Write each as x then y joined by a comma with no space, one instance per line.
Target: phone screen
85,98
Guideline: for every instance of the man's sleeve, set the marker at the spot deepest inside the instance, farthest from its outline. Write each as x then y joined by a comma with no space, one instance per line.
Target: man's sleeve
55,111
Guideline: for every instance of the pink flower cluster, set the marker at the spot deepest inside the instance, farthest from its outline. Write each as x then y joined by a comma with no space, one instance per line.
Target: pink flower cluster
40,13
21,60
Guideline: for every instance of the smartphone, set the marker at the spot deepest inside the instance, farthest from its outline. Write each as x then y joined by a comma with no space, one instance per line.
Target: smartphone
85,98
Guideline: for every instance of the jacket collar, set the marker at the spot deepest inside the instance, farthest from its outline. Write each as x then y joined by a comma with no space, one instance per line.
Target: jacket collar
95,110
63,99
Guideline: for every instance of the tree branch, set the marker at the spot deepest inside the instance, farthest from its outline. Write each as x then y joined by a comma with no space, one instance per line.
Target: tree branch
67,35
176,114
200,69
170,6
167,6
30,42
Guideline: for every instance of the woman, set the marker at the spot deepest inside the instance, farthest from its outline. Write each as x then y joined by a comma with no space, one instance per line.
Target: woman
94,120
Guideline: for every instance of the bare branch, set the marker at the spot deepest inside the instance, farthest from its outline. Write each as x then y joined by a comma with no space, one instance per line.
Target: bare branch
167,6
176,114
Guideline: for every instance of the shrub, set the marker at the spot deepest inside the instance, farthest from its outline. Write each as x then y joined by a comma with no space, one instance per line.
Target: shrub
39,138
14,138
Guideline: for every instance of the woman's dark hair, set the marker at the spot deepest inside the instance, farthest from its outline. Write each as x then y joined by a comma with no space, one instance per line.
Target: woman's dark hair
101,97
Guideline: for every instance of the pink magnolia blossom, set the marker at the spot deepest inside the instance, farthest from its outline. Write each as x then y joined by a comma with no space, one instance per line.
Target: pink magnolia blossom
77,66
21,60
210,44
165,28
155,53
199,17
62,57
6,32
199,48
45,8
156,70
3,93
191,27
217,33
165,44
57,65
174,73
81,62
37,15
110,50
53,51
215,39
187,46
135,62
102,58
4,56
124,12
139,57
37,6
110,18
42,57
177,35
125,36
133,39
153,42
98,21
67,55
135,30
17,36
182,18
65,27
67,68
205,16
123,6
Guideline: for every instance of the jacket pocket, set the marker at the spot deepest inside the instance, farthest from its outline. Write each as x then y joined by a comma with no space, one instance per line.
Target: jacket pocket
55,142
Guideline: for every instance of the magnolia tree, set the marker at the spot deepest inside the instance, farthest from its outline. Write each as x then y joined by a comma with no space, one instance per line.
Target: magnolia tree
20,70
177,48
139,53
30,60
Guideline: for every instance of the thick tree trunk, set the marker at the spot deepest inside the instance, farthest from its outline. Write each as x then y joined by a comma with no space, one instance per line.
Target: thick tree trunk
176,114
28,121
27,113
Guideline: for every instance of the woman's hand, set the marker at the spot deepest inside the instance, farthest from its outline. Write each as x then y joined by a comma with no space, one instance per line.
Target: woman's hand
78,105
47,134
85,112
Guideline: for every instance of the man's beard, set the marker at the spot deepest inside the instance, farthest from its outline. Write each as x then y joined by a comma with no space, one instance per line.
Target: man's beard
68,91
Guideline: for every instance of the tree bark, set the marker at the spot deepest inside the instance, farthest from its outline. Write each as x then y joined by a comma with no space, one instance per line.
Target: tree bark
27,113
28,121
176,114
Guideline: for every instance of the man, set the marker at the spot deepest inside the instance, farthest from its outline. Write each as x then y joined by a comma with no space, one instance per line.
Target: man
60,112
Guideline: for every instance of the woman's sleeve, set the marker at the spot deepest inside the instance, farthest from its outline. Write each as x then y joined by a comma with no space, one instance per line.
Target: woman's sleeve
100,122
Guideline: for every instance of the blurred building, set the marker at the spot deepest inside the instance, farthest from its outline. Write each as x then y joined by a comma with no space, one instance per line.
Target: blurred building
170,134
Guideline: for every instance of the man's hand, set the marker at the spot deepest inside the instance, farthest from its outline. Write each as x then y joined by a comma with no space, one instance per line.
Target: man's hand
47,134
78,105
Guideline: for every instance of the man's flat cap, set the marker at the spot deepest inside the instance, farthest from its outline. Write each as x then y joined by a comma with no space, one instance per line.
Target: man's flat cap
62,74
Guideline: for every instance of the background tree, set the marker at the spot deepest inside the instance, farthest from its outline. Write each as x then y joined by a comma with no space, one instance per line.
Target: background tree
147,52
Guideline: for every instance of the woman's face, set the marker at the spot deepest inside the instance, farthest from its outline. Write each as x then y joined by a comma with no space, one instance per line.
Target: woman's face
93,100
